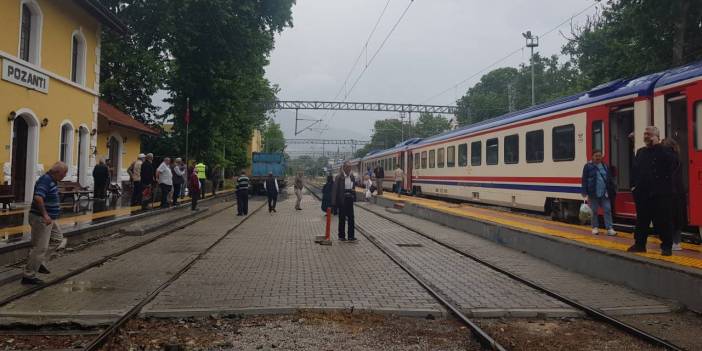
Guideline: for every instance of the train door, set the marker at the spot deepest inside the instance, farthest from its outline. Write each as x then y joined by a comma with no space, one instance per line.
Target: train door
694,164
407,159
621,158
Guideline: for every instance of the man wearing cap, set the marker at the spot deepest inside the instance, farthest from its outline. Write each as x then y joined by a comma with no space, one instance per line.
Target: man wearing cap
134,171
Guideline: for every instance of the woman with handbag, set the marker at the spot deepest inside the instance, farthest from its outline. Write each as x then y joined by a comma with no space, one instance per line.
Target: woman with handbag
596,187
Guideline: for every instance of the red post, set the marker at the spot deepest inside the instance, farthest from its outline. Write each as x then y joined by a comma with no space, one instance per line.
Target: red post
327,233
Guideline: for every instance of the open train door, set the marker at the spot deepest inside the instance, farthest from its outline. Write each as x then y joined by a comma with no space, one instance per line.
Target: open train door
694,114
408,171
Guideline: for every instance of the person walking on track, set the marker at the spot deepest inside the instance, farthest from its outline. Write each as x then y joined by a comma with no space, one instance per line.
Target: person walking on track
201,170
343,197
194,187
165,180
597,184
242,195
272,190
46,232
147,180
654,166
299,184
134,172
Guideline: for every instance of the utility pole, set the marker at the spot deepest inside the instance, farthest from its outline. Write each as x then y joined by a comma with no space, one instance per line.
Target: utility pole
531,42
402,127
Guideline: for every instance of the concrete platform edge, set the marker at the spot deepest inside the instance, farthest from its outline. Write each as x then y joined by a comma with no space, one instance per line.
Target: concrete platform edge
187,313
659,279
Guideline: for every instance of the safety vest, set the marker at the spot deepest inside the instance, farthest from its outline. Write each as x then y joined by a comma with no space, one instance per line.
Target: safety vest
200,169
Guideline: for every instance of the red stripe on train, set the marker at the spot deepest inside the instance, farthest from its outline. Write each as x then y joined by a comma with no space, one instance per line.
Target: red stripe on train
561,180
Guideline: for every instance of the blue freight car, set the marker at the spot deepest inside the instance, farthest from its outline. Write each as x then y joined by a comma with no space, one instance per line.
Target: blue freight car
264,163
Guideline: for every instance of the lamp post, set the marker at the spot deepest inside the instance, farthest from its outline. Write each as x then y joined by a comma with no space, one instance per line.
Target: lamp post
531,42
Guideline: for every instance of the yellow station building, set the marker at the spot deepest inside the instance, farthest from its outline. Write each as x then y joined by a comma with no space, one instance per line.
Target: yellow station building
49,93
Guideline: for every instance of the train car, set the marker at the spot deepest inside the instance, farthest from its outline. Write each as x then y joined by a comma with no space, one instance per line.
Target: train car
389,159
532,159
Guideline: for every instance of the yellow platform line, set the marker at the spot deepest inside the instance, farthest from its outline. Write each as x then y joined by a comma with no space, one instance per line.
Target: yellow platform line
503,219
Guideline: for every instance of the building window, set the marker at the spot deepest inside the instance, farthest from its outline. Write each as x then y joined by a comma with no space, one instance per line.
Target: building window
417,164
597,136
511,149
563,146
78,59
440,158
30,32
432,158
492,151
462,155
65,147
451,156
424,159
476,153
535,146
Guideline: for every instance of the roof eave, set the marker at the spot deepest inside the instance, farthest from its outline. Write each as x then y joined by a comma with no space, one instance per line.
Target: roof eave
104,15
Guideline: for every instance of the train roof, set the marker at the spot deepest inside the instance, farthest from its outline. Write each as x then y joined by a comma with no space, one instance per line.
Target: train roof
679,74
396,148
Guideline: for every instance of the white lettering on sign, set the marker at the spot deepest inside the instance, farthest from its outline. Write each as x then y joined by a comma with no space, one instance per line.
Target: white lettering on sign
24,76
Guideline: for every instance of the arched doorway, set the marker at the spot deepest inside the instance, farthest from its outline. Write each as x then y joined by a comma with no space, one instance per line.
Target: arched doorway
24,155
83,150
114,156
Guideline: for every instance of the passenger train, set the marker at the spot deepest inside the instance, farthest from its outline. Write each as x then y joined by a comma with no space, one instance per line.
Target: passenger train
532,159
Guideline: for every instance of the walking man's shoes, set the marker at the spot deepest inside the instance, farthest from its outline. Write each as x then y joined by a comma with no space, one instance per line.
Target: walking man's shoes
32,281
44,270
342,239
353,240
667,252
634,248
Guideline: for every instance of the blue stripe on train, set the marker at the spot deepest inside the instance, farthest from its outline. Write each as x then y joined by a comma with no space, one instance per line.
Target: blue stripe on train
546,188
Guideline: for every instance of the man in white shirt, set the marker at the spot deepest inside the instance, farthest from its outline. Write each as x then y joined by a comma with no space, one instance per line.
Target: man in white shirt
165,180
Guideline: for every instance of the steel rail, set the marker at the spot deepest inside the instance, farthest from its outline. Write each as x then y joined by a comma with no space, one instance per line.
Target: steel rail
104,259
483,337
590,311
100,340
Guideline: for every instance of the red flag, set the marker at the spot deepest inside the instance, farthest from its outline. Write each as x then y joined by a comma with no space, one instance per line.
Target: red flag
187,112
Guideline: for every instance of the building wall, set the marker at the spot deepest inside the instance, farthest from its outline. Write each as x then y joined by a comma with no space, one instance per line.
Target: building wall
255,145
130,147
65,102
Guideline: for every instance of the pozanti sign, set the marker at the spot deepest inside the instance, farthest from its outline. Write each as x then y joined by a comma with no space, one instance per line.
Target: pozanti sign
24,76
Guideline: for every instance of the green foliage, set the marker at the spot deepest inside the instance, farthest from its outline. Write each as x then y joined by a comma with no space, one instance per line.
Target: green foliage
308,165
273,138
636,37
429,124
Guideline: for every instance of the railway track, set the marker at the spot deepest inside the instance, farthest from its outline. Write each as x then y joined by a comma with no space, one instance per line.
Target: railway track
484,338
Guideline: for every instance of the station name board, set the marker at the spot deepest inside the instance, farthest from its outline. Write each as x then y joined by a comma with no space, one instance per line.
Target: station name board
24,76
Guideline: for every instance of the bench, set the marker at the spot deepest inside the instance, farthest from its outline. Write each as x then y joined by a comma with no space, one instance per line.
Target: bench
7,196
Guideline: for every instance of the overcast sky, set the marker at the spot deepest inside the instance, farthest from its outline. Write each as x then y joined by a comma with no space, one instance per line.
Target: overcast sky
438,44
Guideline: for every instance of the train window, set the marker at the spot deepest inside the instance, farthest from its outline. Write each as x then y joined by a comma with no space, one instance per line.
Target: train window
511,149
462,155
563,143
597,136
417,164
476,153
535,146
440,158
424,159
451,156
492,151
432,158
697,126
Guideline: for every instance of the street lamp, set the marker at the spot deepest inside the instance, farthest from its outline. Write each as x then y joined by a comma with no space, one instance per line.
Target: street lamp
531,42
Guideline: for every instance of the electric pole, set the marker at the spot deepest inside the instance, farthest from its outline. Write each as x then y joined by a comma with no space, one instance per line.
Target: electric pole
531,42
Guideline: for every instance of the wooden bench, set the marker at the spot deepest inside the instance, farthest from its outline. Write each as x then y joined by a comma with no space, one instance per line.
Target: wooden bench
7,196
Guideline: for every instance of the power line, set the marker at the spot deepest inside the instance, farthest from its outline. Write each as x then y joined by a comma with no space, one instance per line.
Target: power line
512,53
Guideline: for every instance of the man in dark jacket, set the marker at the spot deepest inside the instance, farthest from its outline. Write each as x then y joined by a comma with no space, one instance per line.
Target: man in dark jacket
597,185
654,165
379,175
242,195
343,197
148,174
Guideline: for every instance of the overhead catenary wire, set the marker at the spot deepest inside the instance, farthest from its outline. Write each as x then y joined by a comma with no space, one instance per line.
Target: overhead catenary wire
510,54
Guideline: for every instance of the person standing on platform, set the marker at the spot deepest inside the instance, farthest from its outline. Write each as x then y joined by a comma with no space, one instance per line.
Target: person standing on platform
165,180
596,185
272,190
679,197
201,170
327,194
654,166
46,232
299,184
147,180
215,179
101,178
178,172
343,197
242,195
134,171
379,176
194,187
399,179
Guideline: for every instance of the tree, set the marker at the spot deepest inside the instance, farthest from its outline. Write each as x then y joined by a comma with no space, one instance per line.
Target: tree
386,134
636,37
273,138
429,124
